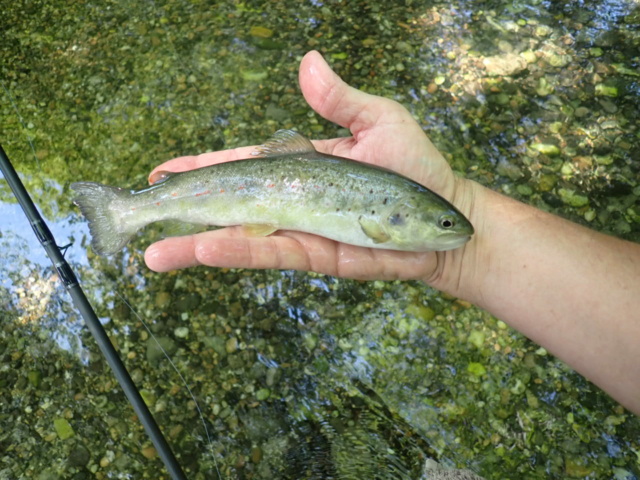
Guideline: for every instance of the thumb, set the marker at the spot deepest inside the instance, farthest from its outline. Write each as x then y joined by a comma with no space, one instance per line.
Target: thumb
340,103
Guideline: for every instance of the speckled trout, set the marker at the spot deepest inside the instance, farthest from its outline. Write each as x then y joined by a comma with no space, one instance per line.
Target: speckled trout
286,185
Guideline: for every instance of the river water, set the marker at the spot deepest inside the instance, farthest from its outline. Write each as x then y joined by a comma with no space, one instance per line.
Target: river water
298,375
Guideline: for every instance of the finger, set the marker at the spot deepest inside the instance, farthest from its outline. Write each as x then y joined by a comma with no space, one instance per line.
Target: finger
182,164
228,247
231,248
376,123
340,103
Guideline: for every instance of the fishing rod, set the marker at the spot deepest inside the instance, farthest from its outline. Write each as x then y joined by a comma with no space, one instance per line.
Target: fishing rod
70,282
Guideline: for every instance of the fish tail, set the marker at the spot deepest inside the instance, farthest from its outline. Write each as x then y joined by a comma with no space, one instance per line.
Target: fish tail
108,234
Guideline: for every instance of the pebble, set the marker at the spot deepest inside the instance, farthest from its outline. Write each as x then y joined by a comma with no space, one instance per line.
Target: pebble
63,428
276,113
546,182
571,198
603,159
79,456
559,60
543,31
589,215
261,32
263,394
505,46
34,377
231,345
477,338
155,352
546,148
606,90
421,312
581,112
188,302
504,65
524,190
508,169
256,454
149,452
163,299
253,75
529,56
607,105
272,376
544,88
181,332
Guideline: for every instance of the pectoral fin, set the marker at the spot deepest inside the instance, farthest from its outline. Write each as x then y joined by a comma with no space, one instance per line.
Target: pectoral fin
259,230
373,230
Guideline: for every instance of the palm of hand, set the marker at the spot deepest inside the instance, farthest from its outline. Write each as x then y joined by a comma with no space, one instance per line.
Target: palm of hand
384,134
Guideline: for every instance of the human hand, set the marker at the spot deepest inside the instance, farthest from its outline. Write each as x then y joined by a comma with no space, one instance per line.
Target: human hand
384,134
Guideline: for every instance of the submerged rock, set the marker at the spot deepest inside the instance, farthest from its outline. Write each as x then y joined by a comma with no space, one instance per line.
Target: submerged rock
63,428
156,348
434,471
546,148
504,65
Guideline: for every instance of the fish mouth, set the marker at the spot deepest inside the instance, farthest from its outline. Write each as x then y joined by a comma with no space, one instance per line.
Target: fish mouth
452,243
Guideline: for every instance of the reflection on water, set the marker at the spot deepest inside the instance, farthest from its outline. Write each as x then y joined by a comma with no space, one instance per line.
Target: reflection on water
33,298
299,375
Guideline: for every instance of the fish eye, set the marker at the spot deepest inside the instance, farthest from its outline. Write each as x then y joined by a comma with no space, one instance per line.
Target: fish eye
446,222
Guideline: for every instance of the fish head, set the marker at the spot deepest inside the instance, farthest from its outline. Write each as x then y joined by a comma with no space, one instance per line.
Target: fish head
428,223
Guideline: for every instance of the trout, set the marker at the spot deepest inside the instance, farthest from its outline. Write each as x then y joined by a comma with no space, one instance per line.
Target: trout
286,185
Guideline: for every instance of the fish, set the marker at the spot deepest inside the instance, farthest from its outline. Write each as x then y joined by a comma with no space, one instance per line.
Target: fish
286,185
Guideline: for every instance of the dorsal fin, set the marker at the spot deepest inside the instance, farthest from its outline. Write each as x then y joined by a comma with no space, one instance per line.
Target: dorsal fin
284,142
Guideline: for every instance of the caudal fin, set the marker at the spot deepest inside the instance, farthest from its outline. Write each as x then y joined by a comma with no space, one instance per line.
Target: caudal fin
108,235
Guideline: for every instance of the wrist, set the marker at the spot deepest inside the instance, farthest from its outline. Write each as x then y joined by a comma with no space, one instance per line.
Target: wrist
457,272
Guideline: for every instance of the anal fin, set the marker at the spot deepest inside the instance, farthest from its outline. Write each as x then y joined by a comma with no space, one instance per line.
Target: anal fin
259,230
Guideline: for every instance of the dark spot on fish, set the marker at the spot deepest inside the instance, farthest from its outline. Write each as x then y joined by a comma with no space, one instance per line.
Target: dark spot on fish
384,202
371,191
396,219
337,209
373,212
331,184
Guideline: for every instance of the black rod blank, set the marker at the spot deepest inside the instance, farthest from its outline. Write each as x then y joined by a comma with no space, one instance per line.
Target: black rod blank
70,282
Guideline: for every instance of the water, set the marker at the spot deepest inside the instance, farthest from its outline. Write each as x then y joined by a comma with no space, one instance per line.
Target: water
299,375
